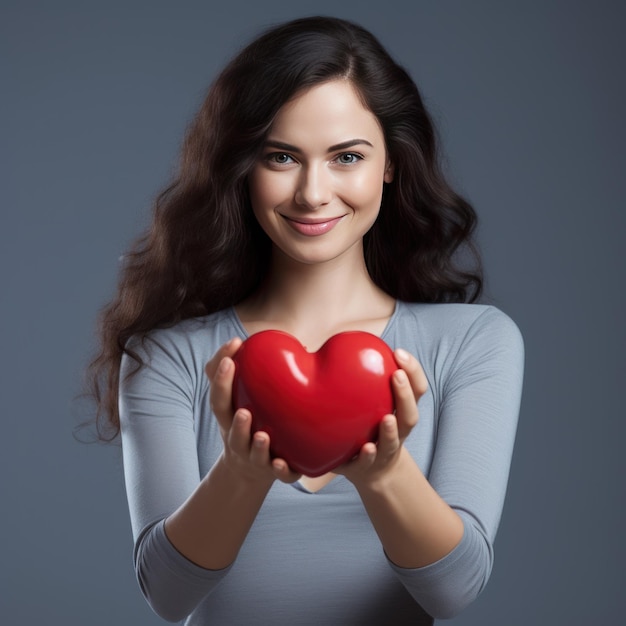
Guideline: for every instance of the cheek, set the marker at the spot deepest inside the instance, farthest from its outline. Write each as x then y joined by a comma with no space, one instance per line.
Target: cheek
267,191
364,188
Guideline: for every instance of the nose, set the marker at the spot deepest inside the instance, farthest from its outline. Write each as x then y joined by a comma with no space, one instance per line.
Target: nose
314,187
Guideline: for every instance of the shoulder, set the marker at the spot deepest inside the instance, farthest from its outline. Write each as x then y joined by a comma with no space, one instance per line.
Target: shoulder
456,333
445,317
190,341
439,321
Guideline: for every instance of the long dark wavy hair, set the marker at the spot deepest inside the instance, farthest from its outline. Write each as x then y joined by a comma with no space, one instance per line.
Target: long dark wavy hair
204,250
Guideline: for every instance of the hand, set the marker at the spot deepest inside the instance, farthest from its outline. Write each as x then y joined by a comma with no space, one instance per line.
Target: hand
247,453
374,460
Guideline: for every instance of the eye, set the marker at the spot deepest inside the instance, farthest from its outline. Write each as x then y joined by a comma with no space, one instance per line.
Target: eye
348,158
279,158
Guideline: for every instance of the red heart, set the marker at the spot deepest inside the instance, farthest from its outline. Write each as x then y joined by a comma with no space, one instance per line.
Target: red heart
318,408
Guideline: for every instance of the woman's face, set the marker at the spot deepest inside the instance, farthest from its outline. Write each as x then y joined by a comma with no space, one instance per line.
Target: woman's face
317,187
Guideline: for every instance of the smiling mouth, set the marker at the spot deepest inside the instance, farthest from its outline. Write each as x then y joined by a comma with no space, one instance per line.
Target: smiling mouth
312,227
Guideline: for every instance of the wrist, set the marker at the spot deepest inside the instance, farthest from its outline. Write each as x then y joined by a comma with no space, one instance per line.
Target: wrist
382,480
241,478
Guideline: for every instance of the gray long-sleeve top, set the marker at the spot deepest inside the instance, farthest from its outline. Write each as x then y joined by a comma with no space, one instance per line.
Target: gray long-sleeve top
314,558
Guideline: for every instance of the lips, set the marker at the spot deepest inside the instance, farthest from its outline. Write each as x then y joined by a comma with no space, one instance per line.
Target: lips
313,227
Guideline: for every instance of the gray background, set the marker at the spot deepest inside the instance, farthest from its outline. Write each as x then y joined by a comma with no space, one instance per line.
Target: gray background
529,98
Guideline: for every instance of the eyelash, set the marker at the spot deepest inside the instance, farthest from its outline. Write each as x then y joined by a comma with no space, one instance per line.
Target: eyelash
273,158
357,157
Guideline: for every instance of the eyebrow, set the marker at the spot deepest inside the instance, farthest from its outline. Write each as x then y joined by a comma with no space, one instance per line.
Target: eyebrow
338,146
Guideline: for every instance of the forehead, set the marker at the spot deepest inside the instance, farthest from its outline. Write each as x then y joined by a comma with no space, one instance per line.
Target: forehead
328,113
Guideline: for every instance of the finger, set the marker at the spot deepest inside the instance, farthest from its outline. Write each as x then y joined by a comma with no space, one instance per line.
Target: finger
360,463
406,404
239,434
220,393
260,449
388,437
227,350
366,457
283,472
417,378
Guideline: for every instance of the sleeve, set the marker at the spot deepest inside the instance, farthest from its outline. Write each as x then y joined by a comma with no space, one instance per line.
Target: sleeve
161,470
479,398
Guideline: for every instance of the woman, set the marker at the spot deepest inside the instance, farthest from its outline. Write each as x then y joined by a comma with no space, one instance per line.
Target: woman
309,200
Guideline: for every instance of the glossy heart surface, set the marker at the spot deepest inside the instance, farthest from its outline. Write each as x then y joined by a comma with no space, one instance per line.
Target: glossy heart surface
320,407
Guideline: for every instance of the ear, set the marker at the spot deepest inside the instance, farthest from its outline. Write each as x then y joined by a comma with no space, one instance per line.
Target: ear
388,176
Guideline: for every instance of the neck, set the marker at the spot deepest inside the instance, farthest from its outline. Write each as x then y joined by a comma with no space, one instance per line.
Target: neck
316,301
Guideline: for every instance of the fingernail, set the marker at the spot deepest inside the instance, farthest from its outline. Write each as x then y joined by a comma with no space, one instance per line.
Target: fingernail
224,366
401,377
402,355
241,416
389,422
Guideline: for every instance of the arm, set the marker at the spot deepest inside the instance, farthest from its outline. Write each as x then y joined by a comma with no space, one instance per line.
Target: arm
438,533
187,531
236,486
415,526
